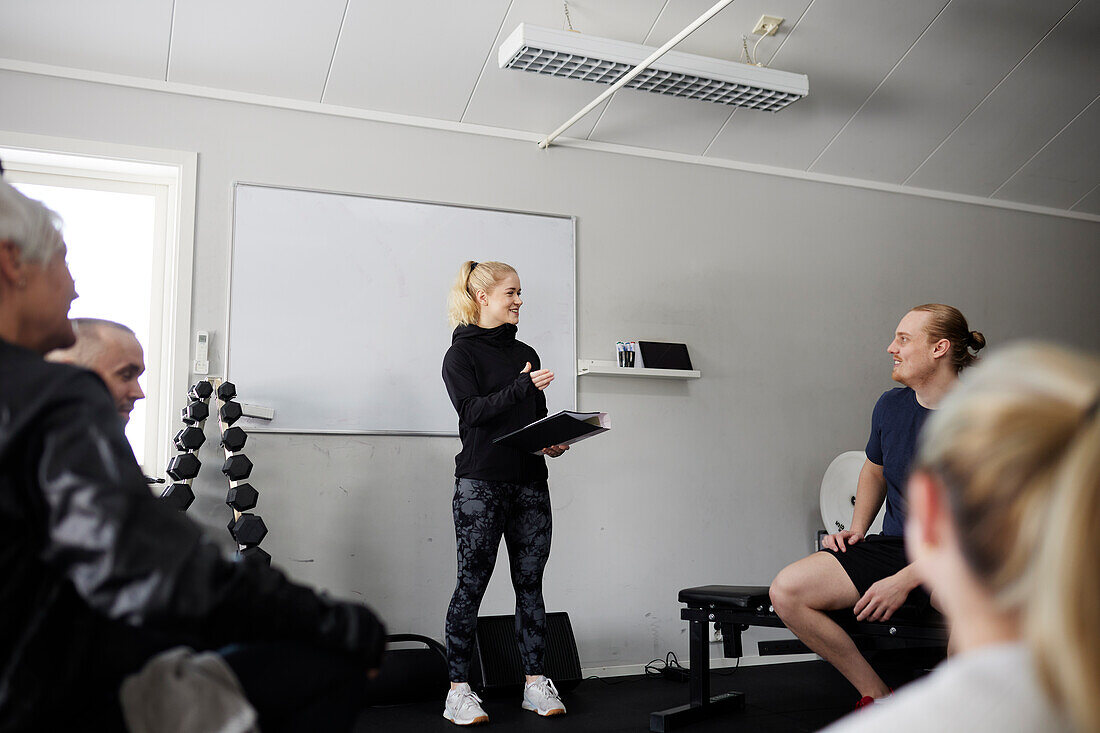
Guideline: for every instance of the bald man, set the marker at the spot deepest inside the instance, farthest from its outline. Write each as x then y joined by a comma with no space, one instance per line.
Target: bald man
112,351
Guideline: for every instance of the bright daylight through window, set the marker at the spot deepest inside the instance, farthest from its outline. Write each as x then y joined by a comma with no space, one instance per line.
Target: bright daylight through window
111,240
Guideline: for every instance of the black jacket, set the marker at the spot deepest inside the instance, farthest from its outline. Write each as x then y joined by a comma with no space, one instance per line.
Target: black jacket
482,371
84,542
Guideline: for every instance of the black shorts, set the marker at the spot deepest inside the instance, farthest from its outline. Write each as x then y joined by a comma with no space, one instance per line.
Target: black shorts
878,556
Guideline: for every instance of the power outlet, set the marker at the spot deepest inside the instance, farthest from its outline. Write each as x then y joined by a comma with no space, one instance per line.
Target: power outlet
768,25
715,633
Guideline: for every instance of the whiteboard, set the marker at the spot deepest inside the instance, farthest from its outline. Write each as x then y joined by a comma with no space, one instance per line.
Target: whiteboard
338,305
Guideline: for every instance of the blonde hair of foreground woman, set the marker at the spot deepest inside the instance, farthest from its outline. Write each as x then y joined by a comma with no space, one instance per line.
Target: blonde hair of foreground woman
1017,449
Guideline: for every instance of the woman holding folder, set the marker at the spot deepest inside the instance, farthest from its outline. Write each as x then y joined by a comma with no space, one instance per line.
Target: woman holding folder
496,384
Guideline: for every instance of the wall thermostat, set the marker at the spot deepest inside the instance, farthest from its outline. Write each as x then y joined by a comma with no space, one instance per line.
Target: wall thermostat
202,352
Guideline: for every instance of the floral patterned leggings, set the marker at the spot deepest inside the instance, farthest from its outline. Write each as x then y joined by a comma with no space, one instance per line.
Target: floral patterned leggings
483,511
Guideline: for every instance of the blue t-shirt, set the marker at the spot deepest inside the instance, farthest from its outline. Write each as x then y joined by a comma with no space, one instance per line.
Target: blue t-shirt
895,424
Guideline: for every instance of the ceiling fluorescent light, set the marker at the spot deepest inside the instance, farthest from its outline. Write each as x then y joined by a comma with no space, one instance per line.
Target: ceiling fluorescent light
576,56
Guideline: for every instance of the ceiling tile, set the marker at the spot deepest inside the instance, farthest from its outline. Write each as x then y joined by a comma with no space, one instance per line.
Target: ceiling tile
527,101
1048,89
395,57
127,37
846,47
277,48
651,120
1063,171
942,79
1090,204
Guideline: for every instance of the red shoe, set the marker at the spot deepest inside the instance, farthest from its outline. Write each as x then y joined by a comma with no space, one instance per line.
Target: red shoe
867,700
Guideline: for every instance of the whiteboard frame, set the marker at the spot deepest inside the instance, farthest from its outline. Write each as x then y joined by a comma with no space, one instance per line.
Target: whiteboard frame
256,428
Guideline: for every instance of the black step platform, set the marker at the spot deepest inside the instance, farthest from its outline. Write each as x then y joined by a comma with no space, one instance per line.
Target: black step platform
737,607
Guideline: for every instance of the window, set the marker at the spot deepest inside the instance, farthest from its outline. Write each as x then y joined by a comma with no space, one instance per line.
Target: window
131,258
111,238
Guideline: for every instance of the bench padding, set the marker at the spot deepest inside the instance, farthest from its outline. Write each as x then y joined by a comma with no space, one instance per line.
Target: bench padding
740,596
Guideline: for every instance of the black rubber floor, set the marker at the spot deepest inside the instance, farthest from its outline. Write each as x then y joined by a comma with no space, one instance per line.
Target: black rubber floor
803,696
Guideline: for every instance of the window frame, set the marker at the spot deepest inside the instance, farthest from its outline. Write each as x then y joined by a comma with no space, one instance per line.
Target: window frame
170,176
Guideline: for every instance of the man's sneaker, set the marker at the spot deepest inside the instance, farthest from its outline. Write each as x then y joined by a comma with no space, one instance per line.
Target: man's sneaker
464,707
542,697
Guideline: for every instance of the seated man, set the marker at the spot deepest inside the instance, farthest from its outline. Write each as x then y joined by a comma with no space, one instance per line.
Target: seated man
112,351
97,576
871,574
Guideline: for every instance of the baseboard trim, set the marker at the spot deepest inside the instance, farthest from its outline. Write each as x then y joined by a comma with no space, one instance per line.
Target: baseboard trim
628,670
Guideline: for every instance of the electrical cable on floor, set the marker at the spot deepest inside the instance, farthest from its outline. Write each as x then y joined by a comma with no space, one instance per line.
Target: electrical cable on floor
607,682
669,668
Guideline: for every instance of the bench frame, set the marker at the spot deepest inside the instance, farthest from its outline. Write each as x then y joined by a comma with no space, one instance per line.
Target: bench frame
895,633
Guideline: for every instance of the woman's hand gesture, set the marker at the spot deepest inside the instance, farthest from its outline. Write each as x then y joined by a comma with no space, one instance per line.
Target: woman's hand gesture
541,378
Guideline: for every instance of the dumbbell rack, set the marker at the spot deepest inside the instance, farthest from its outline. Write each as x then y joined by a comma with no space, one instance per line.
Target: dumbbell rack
246,529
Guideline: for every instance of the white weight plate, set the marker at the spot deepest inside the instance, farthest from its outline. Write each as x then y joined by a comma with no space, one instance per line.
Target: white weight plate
838,493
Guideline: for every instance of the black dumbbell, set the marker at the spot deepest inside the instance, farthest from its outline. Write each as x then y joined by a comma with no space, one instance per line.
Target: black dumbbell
254,554
200,390
242,497
247,529
195,412
178,496
237,467
227,391
184,466
230,412
233,439
190,438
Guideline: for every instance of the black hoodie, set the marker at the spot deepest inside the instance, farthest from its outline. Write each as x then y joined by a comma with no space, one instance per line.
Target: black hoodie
483,373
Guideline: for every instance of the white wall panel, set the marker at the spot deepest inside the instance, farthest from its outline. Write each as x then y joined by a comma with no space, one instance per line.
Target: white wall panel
842,74
1063,171
944,77
117,36
412,59
280,48
1048,89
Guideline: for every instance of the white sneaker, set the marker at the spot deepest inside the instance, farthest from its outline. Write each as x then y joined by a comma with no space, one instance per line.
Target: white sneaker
542,697
463,707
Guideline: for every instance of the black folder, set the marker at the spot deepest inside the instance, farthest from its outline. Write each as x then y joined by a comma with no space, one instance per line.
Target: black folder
564,428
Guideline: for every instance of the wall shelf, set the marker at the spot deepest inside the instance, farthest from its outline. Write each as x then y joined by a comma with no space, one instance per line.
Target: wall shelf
611,369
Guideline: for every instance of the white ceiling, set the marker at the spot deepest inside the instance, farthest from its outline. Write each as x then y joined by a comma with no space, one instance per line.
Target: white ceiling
988,98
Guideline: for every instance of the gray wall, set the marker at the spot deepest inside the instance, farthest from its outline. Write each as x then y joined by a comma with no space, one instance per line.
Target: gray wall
786,292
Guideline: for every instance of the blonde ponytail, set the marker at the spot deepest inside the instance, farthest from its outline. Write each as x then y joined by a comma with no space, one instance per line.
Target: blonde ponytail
462,305
1062,618
462,309
1017,445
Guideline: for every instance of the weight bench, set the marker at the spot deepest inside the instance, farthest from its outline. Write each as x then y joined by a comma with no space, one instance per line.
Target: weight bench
737,607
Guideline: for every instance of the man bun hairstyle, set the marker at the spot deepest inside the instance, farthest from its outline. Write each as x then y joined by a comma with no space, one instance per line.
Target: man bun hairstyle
948,322
462,306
